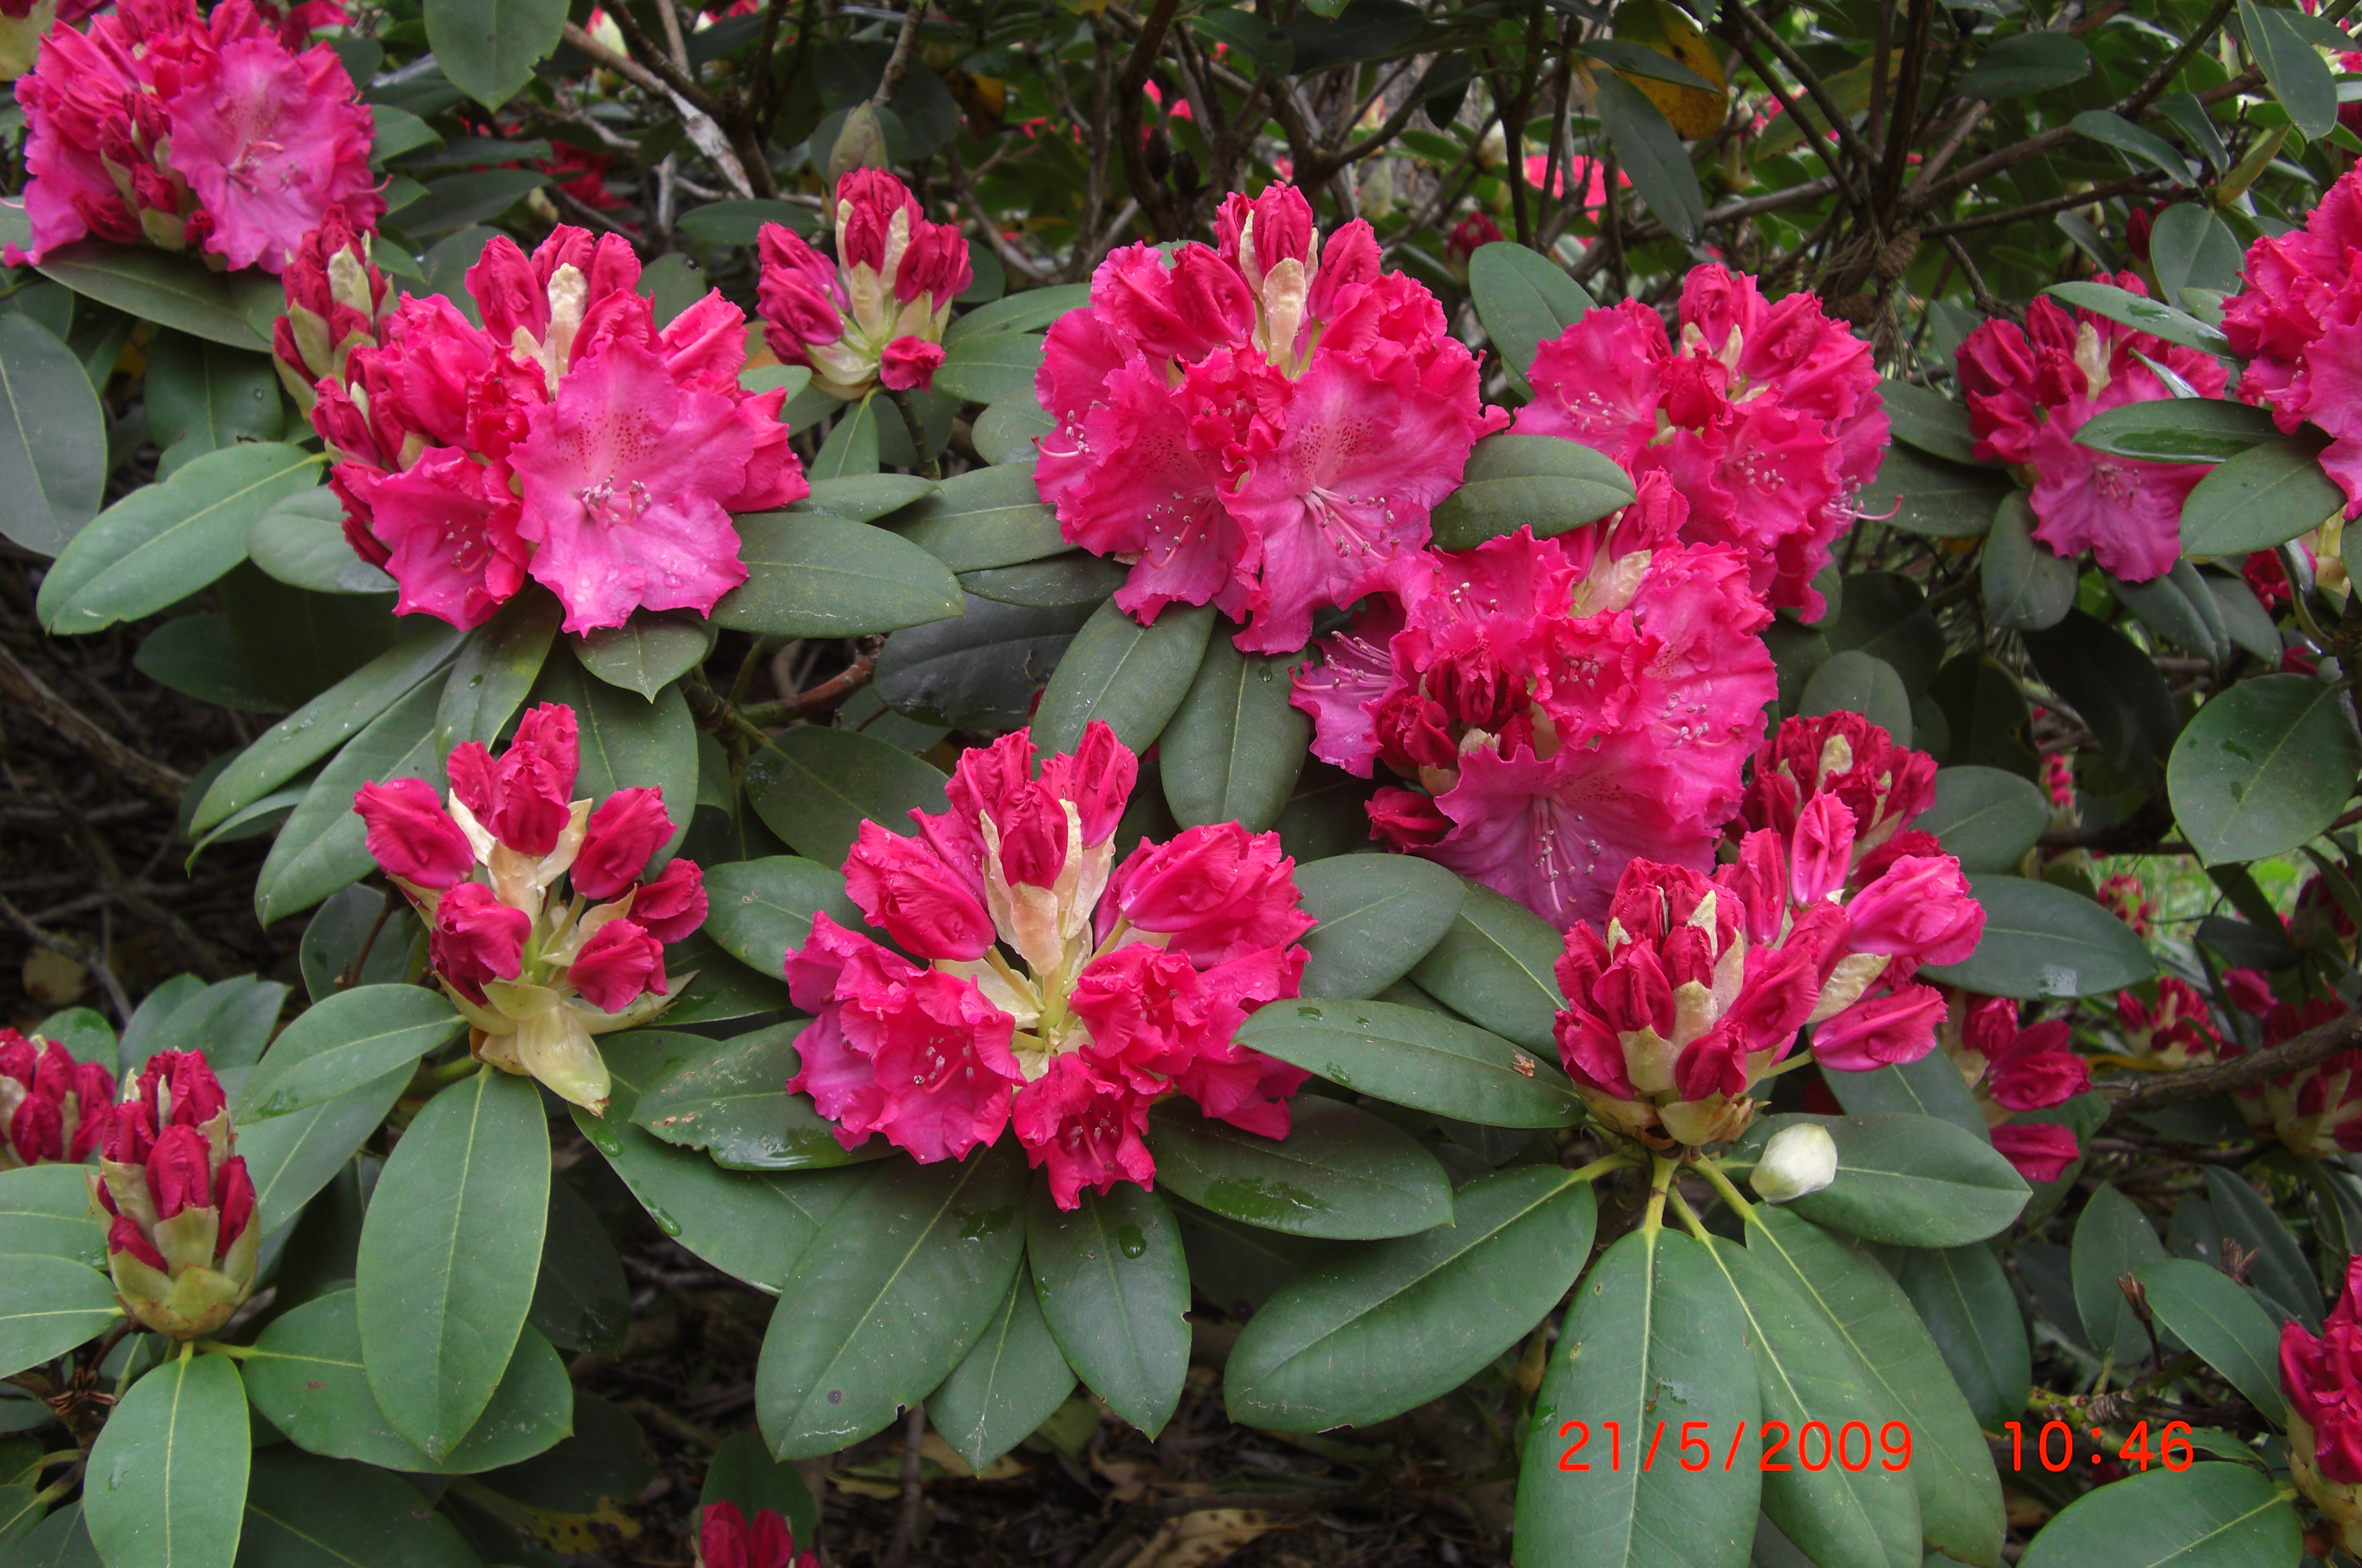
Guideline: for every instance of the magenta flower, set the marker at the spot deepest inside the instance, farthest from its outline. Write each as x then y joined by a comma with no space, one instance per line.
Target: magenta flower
876,314
1567,705
1766,418
1048,986
2299,325
2030,389
2322,1377
52,1108
1264,427
1882,785
181,1242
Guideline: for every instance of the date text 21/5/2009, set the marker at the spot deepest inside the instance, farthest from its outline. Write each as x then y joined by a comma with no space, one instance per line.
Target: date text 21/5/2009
1815,1445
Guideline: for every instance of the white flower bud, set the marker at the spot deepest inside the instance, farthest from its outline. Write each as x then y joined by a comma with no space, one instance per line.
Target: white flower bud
1798,1160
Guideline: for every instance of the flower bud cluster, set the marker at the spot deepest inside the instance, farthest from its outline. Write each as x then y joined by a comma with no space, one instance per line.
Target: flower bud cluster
179,1206
876,314
52,1108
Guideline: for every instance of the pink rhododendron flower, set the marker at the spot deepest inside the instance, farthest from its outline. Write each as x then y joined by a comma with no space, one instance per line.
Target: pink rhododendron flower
2322,1376
213,133
2317,1110
876,314
2012,1069
1263,426
1567,705
1765,416
2029,389
2127,898
567,439
517,958
1882,785
725,1539
52,1108
2178,1032
2299,325
1047,986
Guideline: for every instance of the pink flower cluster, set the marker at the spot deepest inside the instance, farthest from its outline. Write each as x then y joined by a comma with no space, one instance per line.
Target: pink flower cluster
2178,1032
2315,1112
180,1240
568,438
1564,705
1766,418
2322,1379
1129,982
1263,426
876,314
52,1108
2029,389
511,955
2015,1069
1884,786
218,135
2299,325
724,1540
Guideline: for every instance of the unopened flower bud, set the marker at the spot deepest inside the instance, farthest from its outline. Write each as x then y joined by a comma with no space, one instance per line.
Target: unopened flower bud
181,1238
1798,1160
861,144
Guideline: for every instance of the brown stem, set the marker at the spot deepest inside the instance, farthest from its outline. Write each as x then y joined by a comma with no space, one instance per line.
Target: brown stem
906,1527
1130,85
152,779
821,699
2042,208
897,65
1905,114
2315,1045
1836,120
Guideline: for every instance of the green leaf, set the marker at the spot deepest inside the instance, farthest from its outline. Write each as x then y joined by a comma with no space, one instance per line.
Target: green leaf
1929,420
984,365
197,656
52,438
326,721
1394,1324
495,671
206,396
1077,578
2244,620
814,787
2043,940
740,222
627,743
2180,609
1929,1086
1414,1057
1524,299
1379,915
171,1468
306,1377
1025,312
1340,1173
449,1253
45,1212
888,1298
350,1039
2113,1238
62,1541
52,1305
750,1227
730,1099
1653,1336
1805,1372
1959,1492
1653,153
822,577
1938,500
1857,682
759,909
2178,430
2298,76
1495,966
324,845
852,445
581,1300
2113,685
1013,1379
2201,1307
2027,587
300,541
1233,749
1529,482
1114,1292
2281,1270
1985,817
2025,64
291,1157
2153,316
1005,433
985,518
864,498
647,652
1965,1299
983,670
1132,678
455,201
1639,59
2111,129
1910,1181
161,542
2263,767
303,1512
178,292
2209,1516
2264,496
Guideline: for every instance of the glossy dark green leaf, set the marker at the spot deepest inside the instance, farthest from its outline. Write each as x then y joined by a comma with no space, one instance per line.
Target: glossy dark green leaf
1524,299
2180,609
1964,1298
1391,1325
1929,420
2264,496
2113,1238
51,1305
984,365
814,787
1005,433
169,1472
455,201
1011,1381
647,653
52,438
1951,1469
2114,130
2153,316
1130,677
1026,311
2178,430
1495,968
2281,1269
45,1212
1652,151
496,670
2042,941
990,517
889,1297
305,1374
178,292
351,1039
1414,1057
489,48
324,845
710,986
2292,64
1854,681
303,1512
582,1301
1931,497
62,1541
202,396
1077,578
291,1157
2025,64
2026,586
740,222
628,743
982,670
598,1468
159,543
197,656
1907,1180
1931,1086
759,909
1653,1336
1233,749
816,576
2209,1516
731,1100
2112,685
449,1255
864,498
2264,767
852,445
1985,817
1114,1291
2199,1306
1340,1173
1379,915
1540,482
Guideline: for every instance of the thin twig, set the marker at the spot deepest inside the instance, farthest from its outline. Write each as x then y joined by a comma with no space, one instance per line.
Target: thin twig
906,1527
897,65
150,777
2315,1045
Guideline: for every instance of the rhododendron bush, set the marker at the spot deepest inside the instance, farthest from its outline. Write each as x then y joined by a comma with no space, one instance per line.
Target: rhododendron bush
1364,781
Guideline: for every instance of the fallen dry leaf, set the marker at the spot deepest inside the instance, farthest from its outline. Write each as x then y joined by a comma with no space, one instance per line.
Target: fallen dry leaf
1199,1540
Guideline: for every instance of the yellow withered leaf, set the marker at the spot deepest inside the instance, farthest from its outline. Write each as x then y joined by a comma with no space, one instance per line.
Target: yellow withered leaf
1666,29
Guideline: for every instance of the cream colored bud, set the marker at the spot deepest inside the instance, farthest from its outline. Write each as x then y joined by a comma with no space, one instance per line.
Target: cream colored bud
1798,1160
